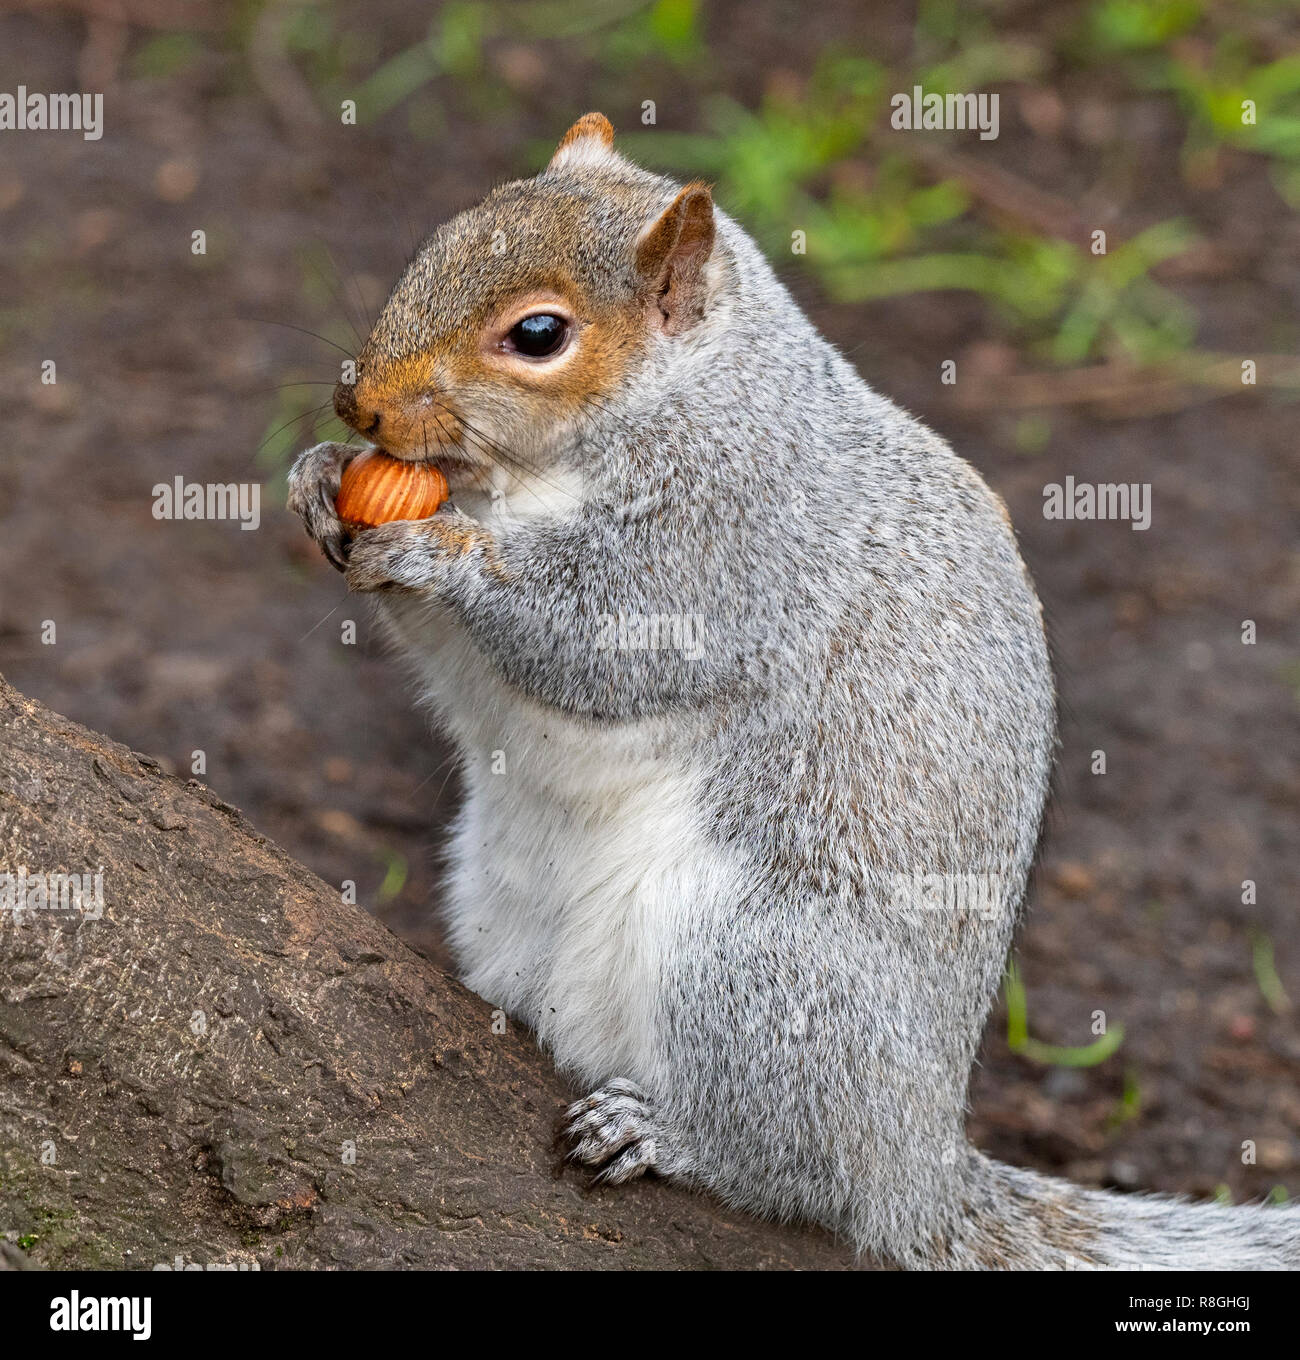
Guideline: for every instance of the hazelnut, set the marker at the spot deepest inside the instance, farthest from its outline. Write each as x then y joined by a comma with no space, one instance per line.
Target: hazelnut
376,489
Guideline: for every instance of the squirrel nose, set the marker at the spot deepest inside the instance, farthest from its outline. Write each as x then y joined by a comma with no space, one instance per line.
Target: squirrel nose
364,420
402,422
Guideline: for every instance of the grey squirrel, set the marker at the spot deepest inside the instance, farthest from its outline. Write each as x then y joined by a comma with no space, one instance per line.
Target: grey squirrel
754,713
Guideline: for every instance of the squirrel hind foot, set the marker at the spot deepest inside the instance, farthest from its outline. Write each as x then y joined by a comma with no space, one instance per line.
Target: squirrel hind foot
614,1131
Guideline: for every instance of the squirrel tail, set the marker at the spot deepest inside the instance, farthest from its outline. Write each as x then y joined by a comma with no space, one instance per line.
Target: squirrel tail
1020,1220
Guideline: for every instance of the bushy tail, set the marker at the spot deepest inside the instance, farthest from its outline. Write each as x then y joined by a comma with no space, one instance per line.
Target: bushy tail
1020,1220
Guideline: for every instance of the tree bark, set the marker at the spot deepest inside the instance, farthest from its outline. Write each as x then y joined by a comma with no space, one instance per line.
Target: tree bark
231,1066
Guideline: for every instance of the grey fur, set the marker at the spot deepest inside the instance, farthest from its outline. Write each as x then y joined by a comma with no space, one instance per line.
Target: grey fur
873,703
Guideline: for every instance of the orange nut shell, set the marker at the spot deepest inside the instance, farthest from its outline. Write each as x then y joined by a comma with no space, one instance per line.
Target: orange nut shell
376,489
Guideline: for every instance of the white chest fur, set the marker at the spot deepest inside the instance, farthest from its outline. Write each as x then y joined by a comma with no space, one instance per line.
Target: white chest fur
575,857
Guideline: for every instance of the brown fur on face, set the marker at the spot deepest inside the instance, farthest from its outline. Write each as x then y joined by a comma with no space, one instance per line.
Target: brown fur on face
434,380
398,406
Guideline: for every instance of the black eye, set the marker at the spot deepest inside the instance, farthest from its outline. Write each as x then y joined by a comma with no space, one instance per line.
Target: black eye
538,336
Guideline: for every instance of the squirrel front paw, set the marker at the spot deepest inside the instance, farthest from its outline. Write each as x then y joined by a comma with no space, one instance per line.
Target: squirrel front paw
614,1129
313,486
414,554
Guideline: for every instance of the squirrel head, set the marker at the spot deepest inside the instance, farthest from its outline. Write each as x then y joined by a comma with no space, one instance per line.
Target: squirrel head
525,314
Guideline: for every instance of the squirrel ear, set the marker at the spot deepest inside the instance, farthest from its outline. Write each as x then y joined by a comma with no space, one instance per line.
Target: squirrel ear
587,140
672,254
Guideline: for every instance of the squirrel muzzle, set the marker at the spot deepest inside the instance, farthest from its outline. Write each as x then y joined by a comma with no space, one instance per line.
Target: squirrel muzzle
399,409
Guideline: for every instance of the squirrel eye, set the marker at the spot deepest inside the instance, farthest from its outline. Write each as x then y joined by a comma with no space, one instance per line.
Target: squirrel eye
538,336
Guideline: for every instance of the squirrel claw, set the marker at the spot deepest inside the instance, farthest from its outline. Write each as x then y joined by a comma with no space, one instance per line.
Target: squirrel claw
627,1165
313,484
613,1130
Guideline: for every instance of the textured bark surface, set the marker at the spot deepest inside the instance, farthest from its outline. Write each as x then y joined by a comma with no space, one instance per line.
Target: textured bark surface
184,1076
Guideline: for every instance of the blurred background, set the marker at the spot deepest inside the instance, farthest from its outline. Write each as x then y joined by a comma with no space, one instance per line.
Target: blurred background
1119,116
